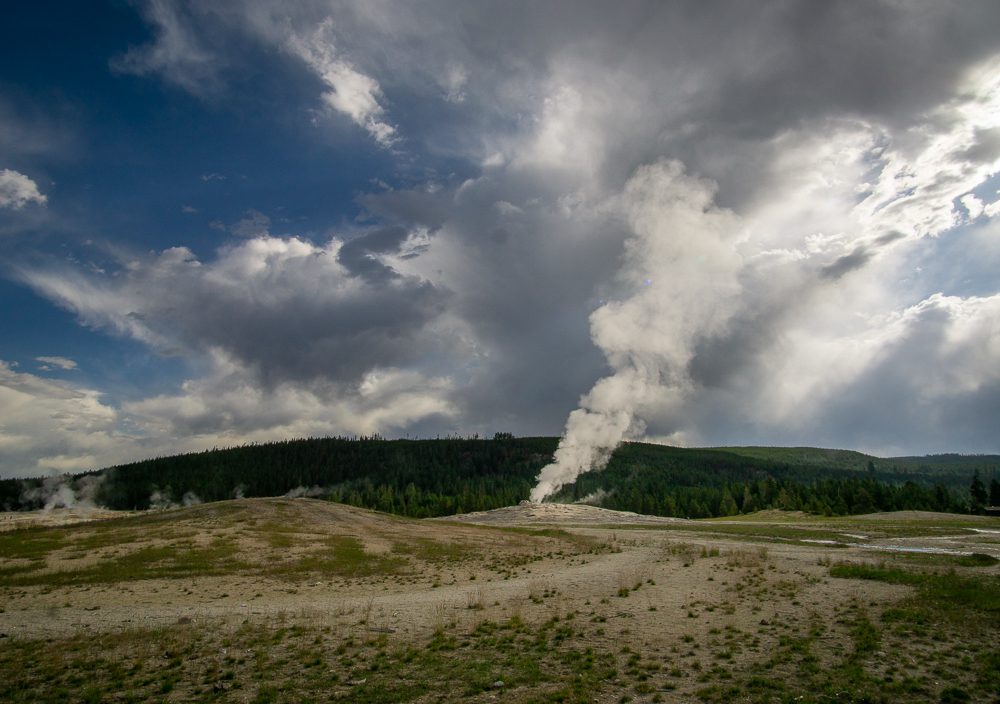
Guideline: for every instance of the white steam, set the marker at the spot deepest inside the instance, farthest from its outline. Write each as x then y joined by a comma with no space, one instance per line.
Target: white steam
63,491
162,499
680,271
300,492
594,498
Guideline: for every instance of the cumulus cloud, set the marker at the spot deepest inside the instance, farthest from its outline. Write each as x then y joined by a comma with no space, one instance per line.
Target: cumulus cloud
284,308
53,426
293,339
920,379
229,406
17,190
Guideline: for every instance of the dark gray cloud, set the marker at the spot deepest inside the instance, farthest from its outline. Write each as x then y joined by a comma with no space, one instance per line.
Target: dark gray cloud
414,207
879,59
286,309
722,203
847,263
361,254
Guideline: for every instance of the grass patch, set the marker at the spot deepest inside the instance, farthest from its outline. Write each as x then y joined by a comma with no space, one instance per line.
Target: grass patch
947,591
435,551
259,663
149,562
937,645
343,556
31,543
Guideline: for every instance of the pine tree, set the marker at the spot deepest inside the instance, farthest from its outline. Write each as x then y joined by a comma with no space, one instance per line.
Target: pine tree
727,506
977,494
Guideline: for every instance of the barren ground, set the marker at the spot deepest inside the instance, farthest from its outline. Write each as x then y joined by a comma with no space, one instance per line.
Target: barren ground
185,605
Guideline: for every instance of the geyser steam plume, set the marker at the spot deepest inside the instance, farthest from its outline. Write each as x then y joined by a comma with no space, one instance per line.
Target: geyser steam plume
680,267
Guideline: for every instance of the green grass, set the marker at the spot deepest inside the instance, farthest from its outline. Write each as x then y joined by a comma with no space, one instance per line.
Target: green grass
150,562
782,528
342,556
937,645
31,543
937,559
947,592
339,556
258,663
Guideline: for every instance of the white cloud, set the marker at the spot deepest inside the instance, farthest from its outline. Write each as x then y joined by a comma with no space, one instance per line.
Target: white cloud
927,373
973,205
991,210
290,340
17,190
63,363
229,406
53,426
936,162
563,137
351,92
49,426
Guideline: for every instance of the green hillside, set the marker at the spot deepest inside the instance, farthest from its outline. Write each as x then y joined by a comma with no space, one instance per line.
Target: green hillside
806,456
421,478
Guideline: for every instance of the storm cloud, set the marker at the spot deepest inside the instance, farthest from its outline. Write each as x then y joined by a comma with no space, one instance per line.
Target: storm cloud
687,222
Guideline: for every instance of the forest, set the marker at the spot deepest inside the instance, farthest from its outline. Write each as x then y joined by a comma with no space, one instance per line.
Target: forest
422,478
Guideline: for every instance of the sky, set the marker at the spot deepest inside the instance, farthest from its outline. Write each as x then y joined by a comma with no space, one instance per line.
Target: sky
697,223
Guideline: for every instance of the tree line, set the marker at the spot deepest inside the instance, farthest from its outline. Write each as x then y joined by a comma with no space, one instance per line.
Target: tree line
422,478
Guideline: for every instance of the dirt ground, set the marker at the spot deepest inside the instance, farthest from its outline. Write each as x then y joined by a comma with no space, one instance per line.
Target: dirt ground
677,571
646,583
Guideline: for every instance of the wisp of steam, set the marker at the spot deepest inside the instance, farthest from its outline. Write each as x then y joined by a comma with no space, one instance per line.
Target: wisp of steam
680,269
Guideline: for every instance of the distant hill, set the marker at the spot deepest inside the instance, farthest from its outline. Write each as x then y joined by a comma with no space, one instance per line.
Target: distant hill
947,465
422,478
806,456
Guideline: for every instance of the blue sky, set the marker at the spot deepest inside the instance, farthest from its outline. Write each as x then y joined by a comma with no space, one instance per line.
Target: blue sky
699,223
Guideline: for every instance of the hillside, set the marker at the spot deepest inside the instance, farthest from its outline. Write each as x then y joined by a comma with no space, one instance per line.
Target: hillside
423,478
806,456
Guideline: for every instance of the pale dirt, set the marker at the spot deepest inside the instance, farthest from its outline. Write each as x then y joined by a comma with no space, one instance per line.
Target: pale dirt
689,583
648,550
